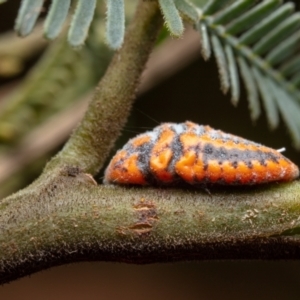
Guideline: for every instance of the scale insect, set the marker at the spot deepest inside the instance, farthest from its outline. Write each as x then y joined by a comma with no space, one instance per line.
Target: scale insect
172,154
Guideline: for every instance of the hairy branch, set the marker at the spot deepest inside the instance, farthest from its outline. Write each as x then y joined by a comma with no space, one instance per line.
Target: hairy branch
109,109
70,219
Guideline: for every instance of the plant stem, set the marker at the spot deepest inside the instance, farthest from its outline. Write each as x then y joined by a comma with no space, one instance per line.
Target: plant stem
108,111
69,219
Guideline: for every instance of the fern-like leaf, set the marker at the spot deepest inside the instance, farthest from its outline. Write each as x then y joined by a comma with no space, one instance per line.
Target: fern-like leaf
81,20
80,23
261,39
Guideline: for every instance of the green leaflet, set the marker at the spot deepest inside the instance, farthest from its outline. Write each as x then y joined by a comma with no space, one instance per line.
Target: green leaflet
56,17
81,22
172,17
115,23
27,16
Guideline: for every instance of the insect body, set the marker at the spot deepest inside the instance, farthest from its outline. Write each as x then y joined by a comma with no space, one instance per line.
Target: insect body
176,153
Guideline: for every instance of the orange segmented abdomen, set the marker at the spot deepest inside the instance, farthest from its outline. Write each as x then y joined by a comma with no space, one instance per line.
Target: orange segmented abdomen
195,154
161,156
125,170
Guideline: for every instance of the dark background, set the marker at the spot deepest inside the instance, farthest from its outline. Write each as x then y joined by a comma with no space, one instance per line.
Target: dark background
192,94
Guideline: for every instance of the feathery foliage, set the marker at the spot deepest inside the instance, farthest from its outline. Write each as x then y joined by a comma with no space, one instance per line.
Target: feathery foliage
261,39
80,22
258,39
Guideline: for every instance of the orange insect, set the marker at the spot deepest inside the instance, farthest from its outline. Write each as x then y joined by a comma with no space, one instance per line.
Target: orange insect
172,154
